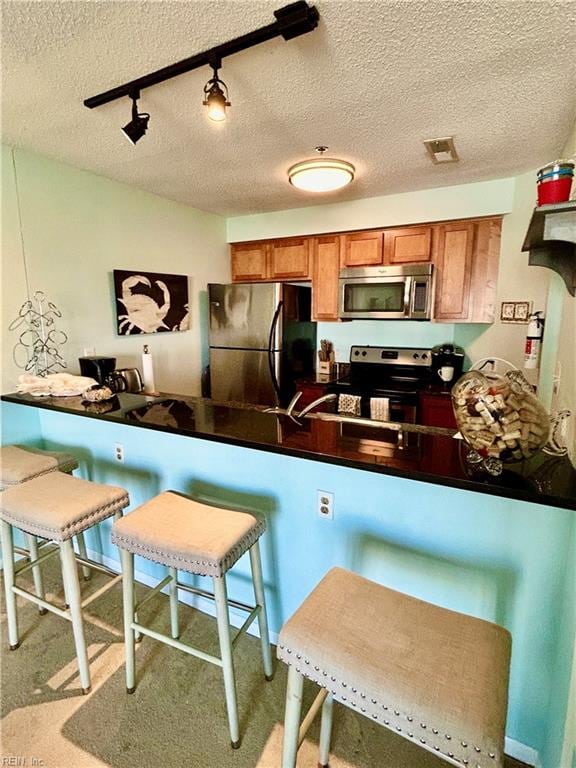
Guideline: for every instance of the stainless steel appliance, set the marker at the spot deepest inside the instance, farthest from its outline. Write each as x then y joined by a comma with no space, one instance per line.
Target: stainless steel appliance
386,293
395,373
261,339
132,379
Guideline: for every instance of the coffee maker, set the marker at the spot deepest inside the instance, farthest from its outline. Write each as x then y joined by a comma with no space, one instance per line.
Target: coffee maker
447,363
98,368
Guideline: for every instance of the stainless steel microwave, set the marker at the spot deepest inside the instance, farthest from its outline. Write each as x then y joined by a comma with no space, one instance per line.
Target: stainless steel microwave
386,293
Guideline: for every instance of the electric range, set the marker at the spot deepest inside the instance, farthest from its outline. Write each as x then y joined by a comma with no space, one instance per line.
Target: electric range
395,373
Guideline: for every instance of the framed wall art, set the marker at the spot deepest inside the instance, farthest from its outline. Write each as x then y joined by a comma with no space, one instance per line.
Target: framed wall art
150,302
515,311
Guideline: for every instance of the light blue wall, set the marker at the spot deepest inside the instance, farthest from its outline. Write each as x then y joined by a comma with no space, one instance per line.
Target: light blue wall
401,333
499,559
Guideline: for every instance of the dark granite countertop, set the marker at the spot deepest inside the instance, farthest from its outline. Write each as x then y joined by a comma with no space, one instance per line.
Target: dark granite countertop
427,454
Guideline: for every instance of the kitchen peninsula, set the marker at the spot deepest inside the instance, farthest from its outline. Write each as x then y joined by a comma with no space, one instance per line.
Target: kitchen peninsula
413,518
409,451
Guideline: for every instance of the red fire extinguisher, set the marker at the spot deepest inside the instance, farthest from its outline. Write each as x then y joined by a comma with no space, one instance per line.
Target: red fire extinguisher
533,340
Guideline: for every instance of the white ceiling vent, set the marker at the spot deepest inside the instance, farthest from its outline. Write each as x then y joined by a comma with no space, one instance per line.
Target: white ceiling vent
442,150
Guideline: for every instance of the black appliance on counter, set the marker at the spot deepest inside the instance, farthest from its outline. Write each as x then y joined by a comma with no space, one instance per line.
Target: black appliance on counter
396,373
447,356
98,368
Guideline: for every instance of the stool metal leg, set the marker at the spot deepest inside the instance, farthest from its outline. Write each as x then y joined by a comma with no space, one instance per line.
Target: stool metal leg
326,730
128,603
73,598
292,717
173,593
226,656
86,572
256,565
36,572
8,560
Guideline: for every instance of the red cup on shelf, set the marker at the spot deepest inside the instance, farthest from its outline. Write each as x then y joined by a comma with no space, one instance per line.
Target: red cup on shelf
554,182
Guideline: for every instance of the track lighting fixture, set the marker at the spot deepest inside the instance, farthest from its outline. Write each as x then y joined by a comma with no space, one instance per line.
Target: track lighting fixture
216,99
138,126
291,21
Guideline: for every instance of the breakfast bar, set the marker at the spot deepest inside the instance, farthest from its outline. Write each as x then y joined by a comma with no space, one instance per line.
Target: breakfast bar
409,513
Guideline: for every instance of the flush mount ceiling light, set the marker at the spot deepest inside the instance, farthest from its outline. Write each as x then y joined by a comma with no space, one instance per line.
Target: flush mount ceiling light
138,126
321,174
216,99
442,150
291,21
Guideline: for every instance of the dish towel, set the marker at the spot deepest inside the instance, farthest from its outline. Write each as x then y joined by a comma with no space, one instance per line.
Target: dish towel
380,408
349,404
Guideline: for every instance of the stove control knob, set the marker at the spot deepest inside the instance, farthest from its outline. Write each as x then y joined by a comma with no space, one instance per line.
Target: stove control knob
424,356
356,353
364,353
415,355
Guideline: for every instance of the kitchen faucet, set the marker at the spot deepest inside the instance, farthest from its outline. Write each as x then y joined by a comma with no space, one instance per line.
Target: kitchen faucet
314,403
289,410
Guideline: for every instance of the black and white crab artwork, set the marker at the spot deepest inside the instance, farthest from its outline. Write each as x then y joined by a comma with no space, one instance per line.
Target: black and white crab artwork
150,302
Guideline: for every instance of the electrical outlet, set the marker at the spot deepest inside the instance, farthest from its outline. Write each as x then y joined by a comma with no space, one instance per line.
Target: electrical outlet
119,452
325,504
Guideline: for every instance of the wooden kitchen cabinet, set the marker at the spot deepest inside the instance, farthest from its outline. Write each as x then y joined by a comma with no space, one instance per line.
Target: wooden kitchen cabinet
435,410
289,259
325,274
249,261
407,245
466,257
362,249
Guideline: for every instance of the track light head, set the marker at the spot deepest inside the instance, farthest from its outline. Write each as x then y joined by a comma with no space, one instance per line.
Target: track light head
216,99
137,127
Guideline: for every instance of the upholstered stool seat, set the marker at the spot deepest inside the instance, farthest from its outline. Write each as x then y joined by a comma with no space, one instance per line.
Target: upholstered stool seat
55,506
177,531
186,535
437,677
19,463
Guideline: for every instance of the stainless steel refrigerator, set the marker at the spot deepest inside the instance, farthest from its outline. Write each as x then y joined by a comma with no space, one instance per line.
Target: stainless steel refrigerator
261,339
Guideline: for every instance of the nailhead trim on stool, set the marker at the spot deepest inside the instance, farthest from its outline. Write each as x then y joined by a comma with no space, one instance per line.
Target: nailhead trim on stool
183,533
19,463
318,641
57,506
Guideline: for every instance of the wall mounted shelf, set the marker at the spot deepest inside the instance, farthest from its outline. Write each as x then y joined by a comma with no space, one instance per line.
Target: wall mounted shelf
551,240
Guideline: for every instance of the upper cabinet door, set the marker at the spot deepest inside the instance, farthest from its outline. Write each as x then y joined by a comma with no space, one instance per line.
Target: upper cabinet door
362,249
249,261
325,269
407,245
453,261
289,259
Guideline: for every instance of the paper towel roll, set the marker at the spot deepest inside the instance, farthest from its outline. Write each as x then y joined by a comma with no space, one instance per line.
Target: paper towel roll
148,371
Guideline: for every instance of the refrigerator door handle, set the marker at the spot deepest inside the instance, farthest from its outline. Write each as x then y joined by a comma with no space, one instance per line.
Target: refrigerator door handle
271,346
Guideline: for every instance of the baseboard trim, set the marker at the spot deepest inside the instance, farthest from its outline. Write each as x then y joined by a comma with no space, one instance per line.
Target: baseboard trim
522,752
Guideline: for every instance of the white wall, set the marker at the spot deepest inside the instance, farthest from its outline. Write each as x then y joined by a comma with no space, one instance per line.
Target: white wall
77,227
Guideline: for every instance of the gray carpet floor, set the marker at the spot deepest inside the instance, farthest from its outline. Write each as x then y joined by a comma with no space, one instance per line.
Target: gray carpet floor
177,716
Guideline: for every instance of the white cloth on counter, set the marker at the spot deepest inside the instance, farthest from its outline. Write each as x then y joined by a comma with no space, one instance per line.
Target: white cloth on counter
349,404
62,384
380,408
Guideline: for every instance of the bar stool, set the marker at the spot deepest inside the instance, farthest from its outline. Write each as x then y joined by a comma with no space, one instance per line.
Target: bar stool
437,677
56,506
20,463
186,535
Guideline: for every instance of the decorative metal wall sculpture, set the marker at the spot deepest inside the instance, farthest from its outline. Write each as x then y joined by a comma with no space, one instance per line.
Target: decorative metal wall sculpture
37,349
149,302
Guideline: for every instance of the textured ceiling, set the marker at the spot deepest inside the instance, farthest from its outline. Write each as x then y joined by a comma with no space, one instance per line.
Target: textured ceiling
372,81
